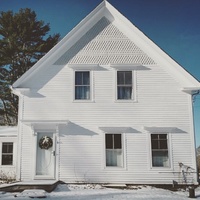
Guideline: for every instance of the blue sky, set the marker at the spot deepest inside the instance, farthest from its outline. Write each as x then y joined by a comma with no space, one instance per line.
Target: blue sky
172,24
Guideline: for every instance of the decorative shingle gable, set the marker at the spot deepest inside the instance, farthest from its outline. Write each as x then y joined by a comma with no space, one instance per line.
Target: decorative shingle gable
104,43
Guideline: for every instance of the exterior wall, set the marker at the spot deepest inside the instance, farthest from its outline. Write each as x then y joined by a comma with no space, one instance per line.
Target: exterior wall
160,103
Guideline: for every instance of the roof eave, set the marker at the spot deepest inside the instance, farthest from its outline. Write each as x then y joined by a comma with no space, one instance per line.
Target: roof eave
101,10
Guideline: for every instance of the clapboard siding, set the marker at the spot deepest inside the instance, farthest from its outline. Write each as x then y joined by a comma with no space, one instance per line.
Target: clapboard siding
26,153
159,103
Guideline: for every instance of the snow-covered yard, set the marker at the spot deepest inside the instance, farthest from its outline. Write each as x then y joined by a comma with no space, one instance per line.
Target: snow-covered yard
97,192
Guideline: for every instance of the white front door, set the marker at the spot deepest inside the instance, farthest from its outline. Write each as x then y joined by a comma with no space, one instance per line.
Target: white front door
45,156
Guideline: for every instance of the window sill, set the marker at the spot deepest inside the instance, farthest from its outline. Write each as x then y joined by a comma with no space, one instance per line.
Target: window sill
83,101
126,101
161,169
114,168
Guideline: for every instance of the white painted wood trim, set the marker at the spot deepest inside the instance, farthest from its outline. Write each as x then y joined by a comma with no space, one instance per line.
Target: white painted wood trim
19,137
57,153
192,136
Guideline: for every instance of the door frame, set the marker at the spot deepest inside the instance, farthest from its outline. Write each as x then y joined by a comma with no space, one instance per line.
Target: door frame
34,163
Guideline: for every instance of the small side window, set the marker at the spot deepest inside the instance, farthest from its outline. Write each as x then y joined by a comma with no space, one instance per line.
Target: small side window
160,152
7,153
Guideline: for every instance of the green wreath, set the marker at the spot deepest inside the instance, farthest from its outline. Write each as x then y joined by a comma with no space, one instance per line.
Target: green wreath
45,142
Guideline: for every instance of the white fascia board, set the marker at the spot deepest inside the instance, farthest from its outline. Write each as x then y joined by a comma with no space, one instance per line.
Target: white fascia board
35,122
191,90
69,40
19,91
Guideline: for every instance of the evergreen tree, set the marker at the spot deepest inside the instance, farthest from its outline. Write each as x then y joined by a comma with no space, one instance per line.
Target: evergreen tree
23,41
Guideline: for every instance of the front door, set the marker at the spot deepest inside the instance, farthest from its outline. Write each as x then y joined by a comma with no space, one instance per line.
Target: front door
45,156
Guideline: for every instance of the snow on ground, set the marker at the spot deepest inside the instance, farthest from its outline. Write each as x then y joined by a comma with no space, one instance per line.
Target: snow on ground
97,192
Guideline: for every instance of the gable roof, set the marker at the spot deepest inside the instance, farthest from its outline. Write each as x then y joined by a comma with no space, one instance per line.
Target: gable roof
105,15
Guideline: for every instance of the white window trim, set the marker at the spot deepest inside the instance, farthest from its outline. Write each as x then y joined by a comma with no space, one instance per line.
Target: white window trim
10,140
91,87
111,168
134,87
151,167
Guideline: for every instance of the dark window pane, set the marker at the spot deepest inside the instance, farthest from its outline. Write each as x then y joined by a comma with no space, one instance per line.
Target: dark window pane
120,78
160,159
128,78
163,144
7,147
154,136
82,92
86,78
78,78
124,92
117,141
163,136
154,144
82,78
109,141
7,159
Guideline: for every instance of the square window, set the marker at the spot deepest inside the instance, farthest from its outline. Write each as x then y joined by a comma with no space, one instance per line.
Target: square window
159,148
114,155
7,153
82,85
124,85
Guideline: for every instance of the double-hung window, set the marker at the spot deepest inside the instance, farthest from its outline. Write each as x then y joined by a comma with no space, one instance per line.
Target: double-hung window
114,155
82,85
7,153
124,85
160,152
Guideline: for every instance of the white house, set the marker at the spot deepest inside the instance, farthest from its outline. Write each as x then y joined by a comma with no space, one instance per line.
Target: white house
8,152
106,105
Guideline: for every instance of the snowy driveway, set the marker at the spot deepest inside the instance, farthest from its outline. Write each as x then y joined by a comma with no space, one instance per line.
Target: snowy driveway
97,192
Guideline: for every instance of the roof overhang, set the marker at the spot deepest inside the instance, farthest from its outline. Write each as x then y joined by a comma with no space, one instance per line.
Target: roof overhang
44,124
117,130
19,91
163,130
191,90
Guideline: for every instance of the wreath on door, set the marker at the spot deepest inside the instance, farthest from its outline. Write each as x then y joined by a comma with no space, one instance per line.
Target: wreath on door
45,142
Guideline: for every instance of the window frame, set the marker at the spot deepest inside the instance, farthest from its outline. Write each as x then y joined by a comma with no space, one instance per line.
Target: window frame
133,91
169,152
9,140
91,99
7,153
123,146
